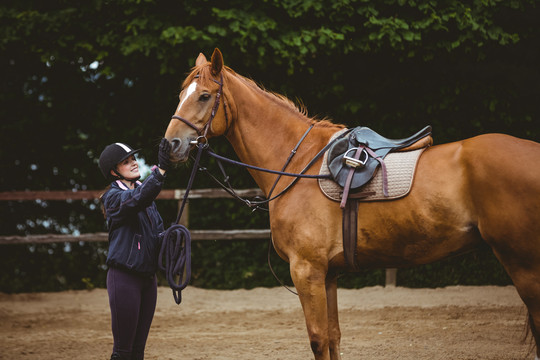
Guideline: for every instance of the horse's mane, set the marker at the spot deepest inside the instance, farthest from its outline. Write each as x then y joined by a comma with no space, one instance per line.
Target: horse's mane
204,73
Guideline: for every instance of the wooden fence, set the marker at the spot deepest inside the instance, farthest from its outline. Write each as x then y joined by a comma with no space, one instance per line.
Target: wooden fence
165,194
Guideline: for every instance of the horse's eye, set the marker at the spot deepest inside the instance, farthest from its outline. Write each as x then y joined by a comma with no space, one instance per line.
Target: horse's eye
204,97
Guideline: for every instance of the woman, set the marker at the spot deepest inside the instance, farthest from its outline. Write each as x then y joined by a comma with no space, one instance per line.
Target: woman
134,226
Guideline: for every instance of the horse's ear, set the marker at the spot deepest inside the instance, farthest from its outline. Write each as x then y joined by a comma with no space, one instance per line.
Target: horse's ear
217,62
201,59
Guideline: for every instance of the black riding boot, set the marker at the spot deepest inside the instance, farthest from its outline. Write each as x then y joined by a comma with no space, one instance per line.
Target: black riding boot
116,356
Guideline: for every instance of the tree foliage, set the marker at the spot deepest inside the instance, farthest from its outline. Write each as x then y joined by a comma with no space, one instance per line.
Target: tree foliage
78,75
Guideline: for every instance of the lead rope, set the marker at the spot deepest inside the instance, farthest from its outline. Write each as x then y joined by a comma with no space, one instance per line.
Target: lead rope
176,245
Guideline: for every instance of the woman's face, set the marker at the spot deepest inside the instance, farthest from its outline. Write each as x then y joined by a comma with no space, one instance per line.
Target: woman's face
129,168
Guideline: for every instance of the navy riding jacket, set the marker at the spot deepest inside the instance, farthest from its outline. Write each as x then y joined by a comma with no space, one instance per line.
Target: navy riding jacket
134,224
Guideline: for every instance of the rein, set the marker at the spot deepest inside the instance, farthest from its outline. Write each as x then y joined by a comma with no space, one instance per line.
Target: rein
297,176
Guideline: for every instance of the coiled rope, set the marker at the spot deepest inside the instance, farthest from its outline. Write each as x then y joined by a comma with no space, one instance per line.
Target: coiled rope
176,249
175,253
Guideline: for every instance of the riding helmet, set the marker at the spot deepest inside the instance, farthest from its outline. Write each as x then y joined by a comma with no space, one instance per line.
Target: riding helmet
112,155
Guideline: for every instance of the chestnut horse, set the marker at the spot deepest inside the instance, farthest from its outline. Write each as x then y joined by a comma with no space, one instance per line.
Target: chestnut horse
483,189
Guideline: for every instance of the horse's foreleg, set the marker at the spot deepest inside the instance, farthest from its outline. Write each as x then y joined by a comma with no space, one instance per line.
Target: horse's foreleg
310,284
334,334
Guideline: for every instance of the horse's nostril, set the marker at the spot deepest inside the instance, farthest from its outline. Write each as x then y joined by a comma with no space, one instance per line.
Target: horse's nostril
176,142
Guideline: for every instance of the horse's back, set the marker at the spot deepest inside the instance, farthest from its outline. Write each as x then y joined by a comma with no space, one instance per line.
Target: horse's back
500,166
504,152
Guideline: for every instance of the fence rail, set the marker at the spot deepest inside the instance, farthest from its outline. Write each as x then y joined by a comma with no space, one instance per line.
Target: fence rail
165,194
103,236
170,194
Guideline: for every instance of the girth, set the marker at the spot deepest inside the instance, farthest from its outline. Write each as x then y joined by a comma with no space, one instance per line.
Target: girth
349,229
352,162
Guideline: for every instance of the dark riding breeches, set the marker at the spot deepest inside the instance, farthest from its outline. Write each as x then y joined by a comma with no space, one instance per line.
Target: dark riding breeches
132,299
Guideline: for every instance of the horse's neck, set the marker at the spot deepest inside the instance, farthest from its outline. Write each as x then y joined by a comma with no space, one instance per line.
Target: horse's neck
265,142
265,132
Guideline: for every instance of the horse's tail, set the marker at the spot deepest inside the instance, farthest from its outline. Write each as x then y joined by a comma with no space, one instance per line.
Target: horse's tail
530,334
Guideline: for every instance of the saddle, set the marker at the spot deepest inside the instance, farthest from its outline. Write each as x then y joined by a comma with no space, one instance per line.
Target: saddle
353,160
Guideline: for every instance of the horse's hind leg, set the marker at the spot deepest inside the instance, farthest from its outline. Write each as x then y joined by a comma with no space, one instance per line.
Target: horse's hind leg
334,334
503,176
529,290
526,278
528,287
535,334
521,260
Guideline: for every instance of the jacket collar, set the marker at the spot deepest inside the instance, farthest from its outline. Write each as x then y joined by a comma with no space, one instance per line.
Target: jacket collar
123,186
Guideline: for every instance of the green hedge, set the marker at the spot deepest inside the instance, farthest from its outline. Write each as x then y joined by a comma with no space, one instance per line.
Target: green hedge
221,265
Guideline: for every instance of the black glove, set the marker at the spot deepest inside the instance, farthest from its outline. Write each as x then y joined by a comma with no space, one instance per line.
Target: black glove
164,161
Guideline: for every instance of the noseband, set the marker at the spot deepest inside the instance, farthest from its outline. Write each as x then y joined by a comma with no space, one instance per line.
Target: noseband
204,131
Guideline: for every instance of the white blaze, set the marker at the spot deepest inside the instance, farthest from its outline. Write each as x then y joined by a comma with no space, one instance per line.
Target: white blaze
190,90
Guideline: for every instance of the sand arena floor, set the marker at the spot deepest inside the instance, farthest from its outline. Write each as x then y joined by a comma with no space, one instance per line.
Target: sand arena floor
376,323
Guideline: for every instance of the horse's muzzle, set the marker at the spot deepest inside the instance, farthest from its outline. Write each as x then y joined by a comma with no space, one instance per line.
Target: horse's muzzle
180,149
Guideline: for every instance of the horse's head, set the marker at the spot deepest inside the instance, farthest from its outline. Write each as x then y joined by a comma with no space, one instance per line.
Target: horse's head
201,111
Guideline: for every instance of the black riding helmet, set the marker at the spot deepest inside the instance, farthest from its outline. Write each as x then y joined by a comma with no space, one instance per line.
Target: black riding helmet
112,155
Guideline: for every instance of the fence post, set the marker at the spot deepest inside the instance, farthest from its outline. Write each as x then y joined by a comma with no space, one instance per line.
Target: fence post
391,275
184,219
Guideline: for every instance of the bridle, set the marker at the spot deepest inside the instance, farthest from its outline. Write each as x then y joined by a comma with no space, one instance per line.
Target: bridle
202,133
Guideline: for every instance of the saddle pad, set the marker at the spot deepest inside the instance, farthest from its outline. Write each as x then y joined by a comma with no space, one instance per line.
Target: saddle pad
400,167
